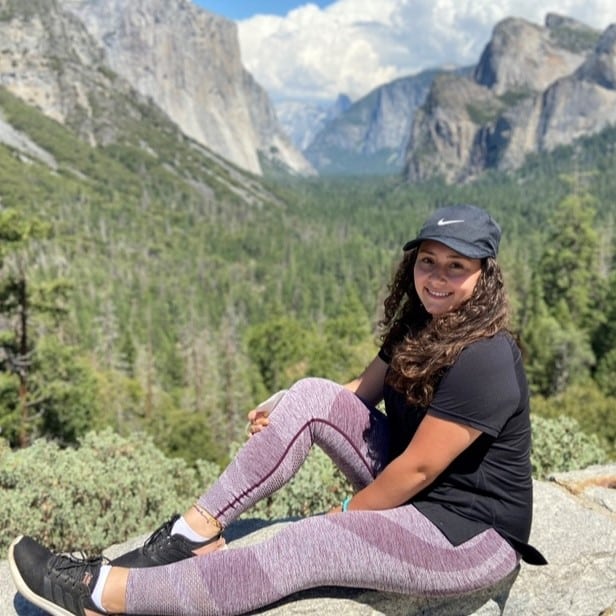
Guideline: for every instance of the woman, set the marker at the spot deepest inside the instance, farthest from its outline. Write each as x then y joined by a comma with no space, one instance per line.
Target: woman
443,484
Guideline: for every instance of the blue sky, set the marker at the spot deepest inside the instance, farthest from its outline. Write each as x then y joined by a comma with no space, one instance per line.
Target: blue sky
243,9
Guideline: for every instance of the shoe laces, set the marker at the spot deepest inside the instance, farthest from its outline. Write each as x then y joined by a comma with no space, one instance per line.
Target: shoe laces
79,569
164,531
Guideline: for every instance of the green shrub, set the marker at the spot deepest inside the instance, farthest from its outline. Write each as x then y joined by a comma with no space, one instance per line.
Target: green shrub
560,445
575,39
111,488
585,402
484,113
108,489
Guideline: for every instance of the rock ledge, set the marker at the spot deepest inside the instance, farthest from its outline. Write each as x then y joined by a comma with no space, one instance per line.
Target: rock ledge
574,527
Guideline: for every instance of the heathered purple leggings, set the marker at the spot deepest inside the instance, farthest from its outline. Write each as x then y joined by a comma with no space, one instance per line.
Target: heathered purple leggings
395,550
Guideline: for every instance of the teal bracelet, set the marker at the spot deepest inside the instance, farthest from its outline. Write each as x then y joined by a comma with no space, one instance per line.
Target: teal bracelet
345,503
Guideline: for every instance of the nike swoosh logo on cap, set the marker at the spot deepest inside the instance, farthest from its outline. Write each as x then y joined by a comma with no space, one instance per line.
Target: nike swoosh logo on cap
443,222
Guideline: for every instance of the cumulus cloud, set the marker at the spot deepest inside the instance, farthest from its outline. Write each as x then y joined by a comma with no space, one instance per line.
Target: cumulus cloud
353,46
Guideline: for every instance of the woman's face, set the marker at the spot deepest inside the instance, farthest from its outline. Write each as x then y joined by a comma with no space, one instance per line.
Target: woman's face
444,279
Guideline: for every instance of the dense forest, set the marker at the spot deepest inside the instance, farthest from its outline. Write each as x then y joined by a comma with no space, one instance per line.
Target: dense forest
133,299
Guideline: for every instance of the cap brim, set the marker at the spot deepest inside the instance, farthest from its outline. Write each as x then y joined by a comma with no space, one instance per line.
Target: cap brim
411,244
466,250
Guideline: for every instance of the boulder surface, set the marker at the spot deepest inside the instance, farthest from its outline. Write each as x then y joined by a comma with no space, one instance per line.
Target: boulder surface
574,527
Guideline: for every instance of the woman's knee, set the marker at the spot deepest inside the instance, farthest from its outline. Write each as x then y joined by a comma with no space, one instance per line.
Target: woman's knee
317,390
314,395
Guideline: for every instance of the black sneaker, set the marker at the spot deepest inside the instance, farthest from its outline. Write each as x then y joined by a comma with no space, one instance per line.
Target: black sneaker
57,583
162,548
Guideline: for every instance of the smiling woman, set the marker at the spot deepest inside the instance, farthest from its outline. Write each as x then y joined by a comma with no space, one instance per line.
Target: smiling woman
442,498
444,278
450,249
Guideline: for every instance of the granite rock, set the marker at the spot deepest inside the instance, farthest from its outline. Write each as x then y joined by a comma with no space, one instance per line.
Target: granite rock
574,527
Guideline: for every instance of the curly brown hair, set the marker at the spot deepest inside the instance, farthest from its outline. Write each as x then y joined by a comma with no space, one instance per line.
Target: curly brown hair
421,346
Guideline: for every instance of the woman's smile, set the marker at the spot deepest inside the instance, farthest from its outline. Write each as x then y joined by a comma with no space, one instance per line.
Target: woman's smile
444,279
437,293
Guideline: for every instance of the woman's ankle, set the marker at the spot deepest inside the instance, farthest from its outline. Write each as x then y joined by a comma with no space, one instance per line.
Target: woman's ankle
114,591
202,522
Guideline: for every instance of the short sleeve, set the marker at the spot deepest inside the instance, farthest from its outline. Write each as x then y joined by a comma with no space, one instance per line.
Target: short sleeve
481,389
384,355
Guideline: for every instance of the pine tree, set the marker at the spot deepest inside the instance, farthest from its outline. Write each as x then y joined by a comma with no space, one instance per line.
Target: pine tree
20,301
569,267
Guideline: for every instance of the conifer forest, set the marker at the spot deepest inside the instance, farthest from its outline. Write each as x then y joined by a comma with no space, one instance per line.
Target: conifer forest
135,301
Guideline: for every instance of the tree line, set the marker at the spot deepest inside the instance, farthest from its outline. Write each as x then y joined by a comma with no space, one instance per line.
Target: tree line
158,309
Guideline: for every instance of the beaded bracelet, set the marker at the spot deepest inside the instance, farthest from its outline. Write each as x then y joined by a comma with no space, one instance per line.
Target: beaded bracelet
345,503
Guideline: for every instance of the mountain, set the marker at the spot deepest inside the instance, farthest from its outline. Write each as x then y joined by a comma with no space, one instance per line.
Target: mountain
50,62
74,132
534,88
368,136
372,134
303,121
185,60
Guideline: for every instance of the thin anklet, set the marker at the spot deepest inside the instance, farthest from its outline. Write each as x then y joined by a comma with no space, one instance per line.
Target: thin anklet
207,515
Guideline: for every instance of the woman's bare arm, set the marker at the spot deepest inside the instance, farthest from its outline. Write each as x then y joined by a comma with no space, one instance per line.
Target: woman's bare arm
369,386
434,446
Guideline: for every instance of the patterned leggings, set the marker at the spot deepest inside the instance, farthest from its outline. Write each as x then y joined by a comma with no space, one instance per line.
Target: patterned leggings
395,550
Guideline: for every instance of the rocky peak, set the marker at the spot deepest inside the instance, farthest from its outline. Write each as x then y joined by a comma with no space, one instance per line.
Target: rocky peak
51,62
341,104
534,88
600,67
524,56
57,55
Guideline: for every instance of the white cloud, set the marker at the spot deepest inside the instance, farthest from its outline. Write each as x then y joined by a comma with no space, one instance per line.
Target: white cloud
352,46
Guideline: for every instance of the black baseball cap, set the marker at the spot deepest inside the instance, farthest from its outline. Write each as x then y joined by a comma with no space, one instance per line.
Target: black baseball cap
465,228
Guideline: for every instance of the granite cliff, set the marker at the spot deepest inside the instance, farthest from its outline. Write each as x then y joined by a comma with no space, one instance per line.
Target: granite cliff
71,58
371,135
534,88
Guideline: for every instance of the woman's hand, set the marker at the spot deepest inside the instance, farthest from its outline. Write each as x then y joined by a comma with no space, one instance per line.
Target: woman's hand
258,419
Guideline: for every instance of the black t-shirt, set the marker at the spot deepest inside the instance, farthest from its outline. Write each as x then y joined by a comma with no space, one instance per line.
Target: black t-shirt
489,485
